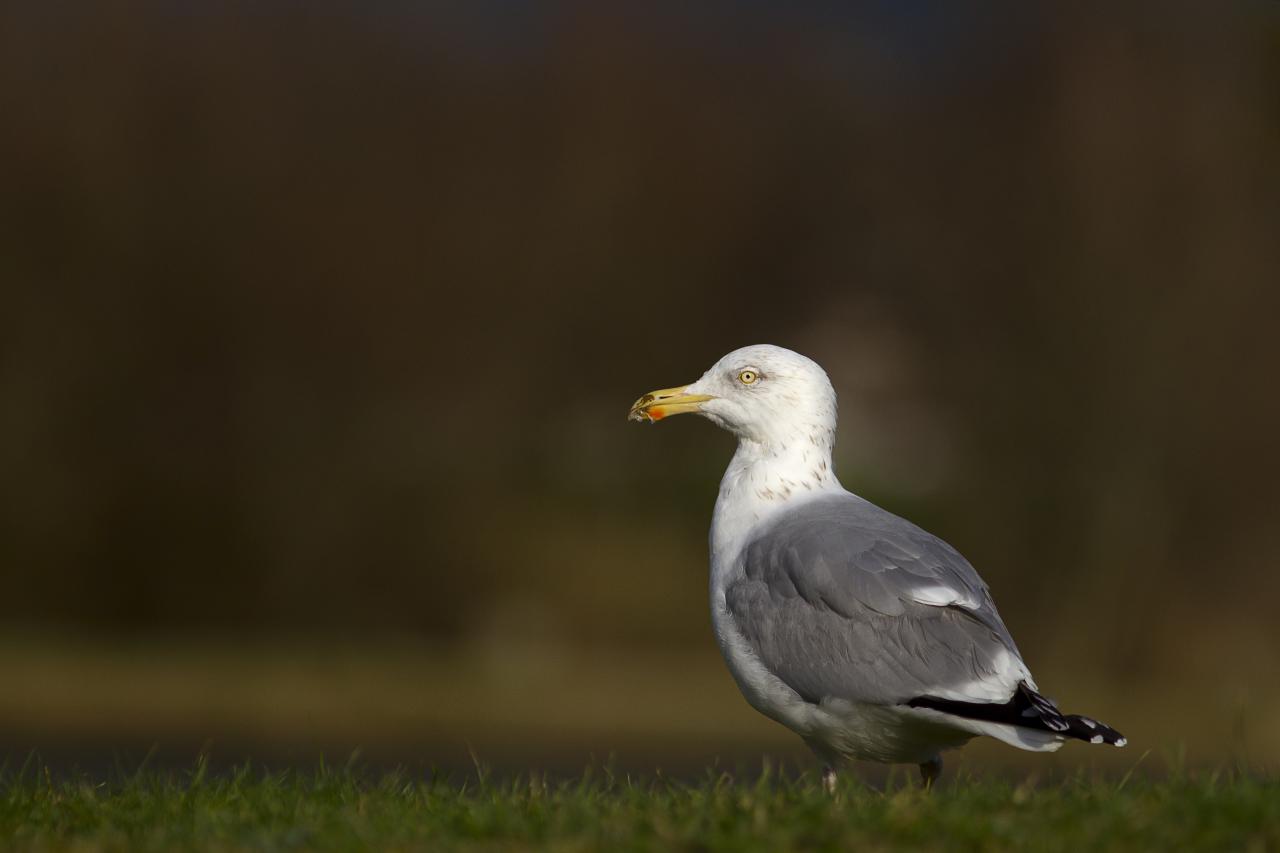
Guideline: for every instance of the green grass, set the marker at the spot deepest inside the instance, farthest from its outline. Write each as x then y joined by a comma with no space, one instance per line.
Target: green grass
344,810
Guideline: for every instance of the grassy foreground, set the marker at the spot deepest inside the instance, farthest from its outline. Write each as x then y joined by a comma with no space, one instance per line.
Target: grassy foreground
341,810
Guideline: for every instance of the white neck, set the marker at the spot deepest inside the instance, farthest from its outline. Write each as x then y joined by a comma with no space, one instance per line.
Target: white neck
762,479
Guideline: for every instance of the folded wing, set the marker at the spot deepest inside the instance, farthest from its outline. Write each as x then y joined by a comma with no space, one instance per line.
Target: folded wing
842,600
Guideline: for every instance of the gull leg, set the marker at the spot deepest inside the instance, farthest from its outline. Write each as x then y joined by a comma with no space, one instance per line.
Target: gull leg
931,770
829,779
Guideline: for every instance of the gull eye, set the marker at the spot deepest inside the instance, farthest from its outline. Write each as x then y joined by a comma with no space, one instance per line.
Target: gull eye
748,377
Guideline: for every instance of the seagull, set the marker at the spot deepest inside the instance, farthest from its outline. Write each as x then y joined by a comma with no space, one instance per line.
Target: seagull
867,636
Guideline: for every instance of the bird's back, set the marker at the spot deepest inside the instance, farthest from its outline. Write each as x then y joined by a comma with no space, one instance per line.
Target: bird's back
842,599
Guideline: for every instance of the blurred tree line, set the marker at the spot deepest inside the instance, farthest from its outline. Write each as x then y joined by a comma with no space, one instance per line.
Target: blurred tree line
327,317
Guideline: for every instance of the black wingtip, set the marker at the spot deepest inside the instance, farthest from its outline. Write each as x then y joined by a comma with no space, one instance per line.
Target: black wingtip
1030,710
1089,729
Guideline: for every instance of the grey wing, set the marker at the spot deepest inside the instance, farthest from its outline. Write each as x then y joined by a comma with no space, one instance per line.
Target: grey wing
841,599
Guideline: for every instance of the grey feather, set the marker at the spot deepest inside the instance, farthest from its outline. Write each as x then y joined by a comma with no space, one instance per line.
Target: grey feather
826,597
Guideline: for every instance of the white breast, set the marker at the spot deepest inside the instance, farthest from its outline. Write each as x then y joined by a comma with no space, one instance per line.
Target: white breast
752,490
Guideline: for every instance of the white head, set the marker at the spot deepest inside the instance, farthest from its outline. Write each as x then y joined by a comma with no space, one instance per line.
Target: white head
763,394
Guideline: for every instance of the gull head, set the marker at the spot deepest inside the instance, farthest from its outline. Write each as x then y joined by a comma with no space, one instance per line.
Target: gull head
763,394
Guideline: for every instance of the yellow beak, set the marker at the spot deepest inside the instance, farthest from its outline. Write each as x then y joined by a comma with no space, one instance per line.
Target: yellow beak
657,405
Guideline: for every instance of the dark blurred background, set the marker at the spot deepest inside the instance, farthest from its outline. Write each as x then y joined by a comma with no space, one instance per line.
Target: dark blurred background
319,325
